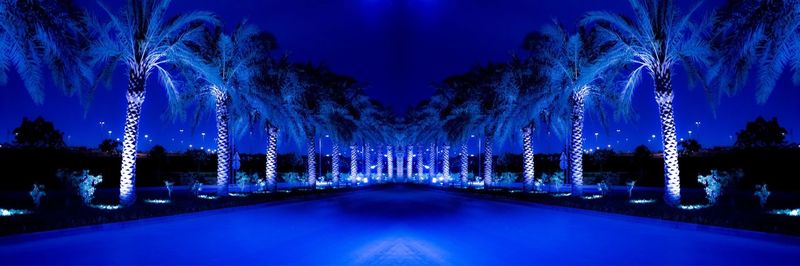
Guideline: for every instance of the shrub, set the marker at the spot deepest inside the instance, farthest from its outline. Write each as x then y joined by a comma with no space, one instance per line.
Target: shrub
506,178
197,187
602,187
169,184
717,182
555,179
631,184
291,177
83,183
37,193
762,194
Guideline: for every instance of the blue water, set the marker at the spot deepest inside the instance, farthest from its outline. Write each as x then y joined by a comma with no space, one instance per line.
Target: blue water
399,226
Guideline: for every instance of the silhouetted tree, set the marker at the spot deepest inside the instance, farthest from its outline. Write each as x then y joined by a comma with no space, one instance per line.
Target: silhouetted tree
110,146
38,133
689,146
761,134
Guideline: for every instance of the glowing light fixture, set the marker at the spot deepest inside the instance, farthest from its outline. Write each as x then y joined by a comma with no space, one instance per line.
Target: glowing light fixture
208,197
642,201
240,195
107,207
591,197
157,201
558,195
787,212
693,207
12,212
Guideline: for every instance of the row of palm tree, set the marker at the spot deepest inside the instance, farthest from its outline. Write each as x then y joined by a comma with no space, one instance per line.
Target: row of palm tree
598,66
203,67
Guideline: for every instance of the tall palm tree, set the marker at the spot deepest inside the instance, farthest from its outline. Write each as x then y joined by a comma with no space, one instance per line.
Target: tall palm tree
224,66
761,33
578,66
38,34
656,39
142,38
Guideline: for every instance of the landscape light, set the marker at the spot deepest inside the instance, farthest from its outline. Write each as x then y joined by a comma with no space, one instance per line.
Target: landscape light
787,212
642,201
12,212
157,201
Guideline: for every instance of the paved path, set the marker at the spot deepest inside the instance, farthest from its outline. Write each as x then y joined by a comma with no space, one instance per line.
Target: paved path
398,226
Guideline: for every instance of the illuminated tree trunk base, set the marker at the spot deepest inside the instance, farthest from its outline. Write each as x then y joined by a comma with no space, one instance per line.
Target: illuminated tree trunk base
576,144
664,98
464,164
379,167
446,162
312,165
432,160
527,158
335,163
223,147
400,160
135,97
389,162
487,163
410,162
353,164
272,158
367,160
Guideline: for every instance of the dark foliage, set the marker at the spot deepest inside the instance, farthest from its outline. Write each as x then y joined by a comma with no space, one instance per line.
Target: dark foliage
761,134
38,133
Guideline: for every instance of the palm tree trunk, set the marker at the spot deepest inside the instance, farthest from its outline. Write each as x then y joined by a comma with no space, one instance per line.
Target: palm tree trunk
223,146
420,164
400,160
272,157
464,163
527,157
367,160
487,163
432,160
335,163
127,181
576,144
446,162
353,164
311,139
389,163
410,162
664,97
379,168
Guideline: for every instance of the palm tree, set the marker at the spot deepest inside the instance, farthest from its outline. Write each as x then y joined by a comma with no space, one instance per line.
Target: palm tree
224,67
578,64
35,34
762,33
656,39
144,40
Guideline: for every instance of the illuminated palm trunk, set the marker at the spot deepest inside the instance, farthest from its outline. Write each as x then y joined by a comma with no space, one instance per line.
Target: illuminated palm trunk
432,160
367,160
487,163
312,166
664,97
446,162
400,160
353,164
127,177
420,164
335,163
379,168
272,157
576,144
464,164
527,158
410,162
389,162
223,146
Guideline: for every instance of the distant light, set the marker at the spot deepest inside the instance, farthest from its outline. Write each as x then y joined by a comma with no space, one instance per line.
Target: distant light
106,207
591,197
653,136
558,195
693,207
327,136
787,212
238,195
642,201
208,197
434,180
157,201
472,136
12,212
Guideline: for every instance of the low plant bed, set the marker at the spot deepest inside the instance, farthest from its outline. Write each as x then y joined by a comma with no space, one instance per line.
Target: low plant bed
742,215
64,211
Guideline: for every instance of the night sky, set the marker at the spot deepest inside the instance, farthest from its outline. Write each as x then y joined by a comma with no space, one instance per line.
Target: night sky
398,48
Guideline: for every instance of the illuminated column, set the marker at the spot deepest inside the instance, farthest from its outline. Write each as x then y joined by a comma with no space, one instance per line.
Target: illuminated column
527,157
127,177
335,163
272,155
223,146
367,160
576,143
379,168
664,98
400,161
464,163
